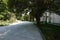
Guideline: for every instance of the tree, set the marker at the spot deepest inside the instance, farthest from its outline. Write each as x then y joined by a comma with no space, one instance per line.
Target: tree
38,7
57,3
17,5
2,6
2,9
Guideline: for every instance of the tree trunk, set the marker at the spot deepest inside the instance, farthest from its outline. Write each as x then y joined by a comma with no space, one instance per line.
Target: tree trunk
38,20
50,17
46,18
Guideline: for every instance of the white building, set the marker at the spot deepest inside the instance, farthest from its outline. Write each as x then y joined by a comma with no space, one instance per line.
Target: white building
54,18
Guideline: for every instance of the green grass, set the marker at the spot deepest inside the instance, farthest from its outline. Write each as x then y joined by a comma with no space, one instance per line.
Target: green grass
4,23
51,32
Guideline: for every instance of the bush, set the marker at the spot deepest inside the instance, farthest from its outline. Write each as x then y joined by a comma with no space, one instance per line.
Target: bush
2,6
1,17
4,16
3,23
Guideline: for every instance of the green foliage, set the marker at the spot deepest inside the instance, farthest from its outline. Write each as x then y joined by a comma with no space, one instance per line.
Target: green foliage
38,7
18,5
2,6
10,9
1,17
4,23
4,16
50,31
7,15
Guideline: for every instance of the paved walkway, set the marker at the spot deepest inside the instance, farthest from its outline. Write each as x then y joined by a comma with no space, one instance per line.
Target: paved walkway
20,31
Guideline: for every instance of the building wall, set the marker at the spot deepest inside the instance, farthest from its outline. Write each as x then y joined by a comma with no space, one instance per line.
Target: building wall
54,18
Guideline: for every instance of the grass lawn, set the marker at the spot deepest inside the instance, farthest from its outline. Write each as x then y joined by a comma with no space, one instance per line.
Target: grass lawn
5,23
51,32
